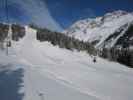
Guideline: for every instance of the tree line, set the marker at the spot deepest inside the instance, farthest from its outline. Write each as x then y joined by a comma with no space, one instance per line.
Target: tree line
121,55
121,52
18,32
62,40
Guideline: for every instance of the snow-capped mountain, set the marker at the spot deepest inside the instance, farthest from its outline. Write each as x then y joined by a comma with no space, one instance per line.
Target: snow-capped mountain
107,31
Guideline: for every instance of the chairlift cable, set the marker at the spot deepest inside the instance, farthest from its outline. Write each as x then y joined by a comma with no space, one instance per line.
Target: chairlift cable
7,18
9,36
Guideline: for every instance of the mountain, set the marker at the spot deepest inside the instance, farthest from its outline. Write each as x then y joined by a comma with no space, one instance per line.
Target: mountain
29,11
123,55
42,35
112,29
34,70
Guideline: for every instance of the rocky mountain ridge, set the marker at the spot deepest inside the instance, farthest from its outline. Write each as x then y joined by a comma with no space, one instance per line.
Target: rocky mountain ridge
106,31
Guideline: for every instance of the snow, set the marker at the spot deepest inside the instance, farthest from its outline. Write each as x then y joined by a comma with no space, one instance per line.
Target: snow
61,74
122,33
99,28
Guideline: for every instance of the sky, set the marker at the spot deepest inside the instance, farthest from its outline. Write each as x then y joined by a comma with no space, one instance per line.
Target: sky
60,14
66,12
26,12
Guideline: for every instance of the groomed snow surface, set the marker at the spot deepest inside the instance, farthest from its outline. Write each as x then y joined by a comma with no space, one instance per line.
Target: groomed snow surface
41,71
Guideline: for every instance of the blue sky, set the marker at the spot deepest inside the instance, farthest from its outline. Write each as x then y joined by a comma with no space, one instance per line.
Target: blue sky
26,12
67,12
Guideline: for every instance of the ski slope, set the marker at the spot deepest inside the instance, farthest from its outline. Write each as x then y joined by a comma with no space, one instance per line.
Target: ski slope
60,74
19,81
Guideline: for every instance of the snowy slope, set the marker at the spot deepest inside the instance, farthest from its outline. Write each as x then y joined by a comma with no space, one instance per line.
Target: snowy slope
20,81
66,74
99,29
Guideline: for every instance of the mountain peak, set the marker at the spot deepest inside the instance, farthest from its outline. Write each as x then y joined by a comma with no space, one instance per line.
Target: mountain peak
117,12
99,29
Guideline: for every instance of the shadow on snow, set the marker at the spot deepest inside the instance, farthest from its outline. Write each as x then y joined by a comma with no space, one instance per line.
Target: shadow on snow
11,83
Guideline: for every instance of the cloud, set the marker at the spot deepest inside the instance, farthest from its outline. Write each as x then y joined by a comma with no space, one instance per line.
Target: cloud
37,12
